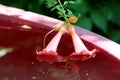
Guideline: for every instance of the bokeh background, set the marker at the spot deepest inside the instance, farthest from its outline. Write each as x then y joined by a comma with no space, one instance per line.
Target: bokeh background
99,16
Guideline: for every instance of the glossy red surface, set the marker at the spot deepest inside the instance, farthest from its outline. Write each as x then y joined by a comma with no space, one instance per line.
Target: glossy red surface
21,63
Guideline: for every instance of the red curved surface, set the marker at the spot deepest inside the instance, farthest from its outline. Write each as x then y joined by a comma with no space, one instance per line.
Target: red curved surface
21,63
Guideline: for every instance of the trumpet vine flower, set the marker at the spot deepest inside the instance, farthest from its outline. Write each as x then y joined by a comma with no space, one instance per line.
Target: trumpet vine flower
81,52
49,54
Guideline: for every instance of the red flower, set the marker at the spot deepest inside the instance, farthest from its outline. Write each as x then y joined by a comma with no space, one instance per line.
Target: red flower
49,54
81,52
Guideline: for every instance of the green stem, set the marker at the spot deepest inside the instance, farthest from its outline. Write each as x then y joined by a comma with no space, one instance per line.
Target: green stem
65,17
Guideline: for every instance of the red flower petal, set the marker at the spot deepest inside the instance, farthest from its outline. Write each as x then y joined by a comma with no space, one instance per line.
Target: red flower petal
83,55
49,57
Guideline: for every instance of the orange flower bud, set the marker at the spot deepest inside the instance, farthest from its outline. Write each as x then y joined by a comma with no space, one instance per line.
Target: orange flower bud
73,19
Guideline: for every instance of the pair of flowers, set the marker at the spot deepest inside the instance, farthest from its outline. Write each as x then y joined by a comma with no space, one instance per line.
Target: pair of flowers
50,55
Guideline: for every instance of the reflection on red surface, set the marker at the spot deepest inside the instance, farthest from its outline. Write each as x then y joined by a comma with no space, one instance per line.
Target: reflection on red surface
21,63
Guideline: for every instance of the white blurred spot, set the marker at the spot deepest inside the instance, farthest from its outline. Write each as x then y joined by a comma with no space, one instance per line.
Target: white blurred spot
4,51
26,27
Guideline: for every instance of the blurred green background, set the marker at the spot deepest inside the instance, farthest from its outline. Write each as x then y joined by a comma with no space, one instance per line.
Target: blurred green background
99,16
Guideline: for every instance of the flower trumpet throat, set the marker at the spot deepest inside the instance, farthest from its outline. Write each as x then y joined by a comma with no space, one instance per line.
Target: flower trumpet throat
81,52
49,54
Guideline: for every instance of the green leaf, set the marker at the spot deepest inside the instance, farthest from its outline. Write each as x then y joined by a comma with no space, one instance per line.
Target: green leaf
85,22
69,13
51,3
60,14
99,20
114,35
58,7
80,6
41,1
68,2
65,3
116,14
